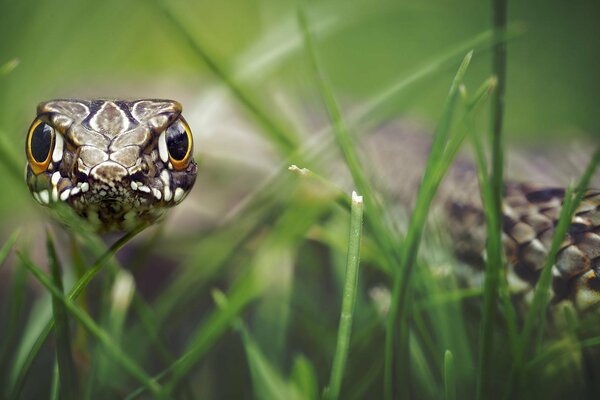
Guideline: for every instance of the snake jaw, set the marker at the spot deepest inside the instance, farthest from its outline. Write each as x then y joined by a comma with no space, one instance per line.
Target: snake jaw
106,164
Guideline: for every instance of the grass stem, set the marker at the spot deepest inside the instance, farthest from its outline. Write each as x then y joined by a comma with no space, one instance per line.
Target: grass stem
348,299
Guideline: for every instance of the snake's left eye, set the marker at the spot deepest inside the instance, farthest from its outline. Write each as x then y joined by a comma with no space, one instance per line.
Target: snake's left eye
39,146
177,144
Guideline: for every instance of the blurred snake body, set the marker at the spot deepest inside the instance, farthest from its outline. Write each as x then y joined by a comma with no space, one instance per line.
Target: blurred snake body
116,163
531,211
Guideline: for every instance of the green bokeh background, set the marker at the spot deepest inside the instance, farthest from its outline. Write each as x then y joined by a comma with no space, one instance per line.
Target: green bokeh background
65,47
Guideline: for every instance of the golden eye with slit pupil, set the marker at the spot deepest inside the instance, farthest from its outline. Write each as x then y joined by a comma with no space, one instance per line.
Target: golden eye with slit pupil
179,144
40,143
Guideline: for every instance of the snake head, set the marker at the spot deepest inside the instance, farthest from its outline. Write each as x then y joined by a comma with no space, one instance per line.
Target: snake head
116,163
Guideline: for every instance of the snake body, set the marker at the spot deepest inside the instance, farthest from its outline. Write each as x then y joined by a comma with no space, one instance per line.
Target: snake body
531,212
116,163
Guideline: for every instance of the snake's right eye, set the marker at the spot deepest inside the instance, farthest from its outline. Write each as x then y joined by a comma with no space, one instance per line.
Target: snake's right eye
39,146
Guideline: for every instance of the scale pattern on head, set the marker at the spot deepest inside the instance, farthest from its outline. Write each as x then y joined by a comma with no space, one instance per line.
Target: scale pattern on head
116,163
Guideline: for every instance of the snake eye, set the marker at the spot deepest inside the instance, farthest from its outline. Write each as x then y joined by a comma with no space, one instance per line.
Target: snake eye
40,143
179,144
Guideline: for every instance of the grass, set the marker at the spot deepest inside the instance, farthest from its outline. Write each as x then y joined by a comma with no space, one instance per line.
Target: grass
289,296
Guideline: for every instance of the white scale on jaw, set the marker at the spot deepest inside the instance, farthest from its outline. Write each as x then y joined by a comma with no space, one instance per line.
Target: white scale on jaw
45,196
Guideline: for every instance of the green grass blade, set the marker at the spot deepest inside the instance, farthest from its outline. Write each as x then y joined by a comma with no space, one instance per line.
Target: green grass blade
495,260
494,284
55,388
66,367
10,333
283,138
449,376
386,238
305,378
121,296
411,245
116,353
348,300
268,383
40,313
7,247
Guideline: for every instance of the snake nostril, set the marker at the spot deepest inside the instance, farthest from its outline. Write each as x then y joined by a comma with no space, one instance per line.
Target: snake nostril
108,172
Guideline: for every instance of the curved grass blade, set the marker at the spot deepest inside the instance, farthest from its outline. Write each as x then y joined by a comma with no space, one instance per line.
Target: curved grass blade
66,367
434,171
384,235
7,247
14,310
268,383
304,377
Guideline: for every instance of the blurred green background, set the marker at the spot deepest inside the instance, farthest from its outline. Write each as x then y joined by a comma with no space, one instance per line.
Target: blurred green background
130,49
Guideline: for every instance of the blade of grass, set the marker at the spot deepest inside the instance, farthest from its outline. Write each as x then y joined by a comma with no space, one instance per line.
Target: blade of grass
7,247
494,283
304,377
69,387
348,300
268,383
55,388
386,237
282,137
116,353
449,379
495,259
39,314
430,182
121,296
10,331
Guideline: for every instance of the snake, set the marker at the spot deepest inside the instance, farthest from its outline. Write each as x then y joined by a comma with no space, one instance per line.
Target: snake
116,163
